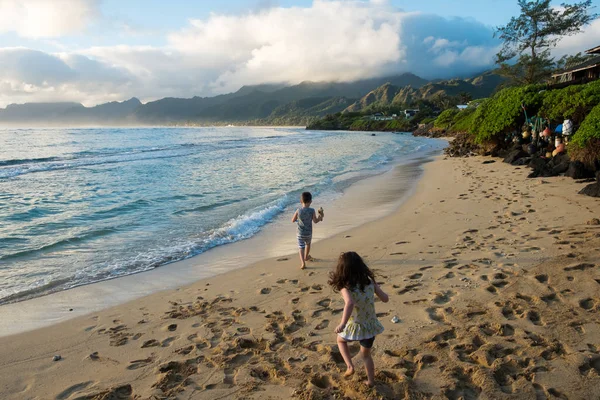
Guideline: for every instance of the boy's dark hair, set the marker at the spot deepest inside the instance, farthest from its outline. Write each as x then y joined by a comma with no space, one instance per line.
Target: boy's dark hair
306,197
350,272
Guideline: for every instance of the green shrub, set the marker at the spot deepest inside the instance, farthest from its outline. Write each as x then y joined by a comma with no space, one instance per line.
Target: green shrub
397,125
428,120
574,101
463,120
360,124
503,113
589,128
446,118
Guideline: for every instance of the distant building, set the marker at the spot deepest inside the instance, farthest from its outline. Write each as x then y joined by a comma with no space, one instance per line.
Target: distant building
380,117
582,73
409,113
462,106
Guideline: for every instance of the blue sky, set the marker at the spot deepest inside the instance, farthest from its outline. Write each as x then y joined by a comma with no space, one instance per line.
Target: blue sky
93,51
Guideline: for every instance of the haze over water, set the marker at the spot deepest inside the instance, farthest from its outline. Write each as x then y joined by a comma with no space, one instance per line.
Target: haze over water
85,205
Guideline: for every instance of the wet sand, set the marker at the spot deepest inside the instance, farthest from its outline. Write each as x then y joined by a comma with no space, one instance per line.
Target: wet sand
495,279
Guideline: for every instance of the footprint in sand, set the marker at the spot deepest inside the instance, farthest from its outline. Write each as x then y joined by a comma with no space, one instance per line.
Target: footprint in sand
185,350
443,297
150,343
135,364
167,341
410,288
322,325
265,290
435,314
65,394
579,267
324,303
415,276
587,304
449,275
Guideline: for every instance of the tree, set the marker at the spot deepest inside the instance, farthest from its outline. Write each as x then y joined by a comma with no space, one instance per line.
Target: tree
464,97
569,61
530,36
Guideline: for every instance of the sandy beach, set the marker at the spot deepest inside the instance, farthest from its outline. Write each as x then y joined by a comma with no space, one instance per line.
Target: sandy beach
495,279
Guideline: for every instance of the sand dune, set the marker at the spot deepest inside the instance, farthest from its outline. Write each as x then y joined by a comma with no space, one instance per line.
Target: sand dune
495,280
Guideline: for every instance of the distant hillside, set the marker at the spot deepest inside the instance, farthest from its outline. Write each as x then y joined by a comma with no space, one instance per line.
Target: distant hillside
257,103
382,96
276,104
386,95
69,113
119,112
36,112
304,111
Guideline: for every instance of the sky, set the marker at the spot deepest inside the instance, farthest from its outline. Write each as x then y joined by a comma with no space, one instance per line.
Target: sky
94,51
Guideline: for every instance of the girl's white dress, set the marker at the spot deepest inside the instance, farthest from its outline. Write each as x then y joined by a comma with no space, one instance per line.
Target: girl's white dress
363,324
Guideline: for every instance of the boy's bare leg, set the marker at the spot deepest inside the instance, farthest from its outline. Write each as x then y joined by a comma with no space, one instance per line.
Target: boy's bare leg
303,265
307,256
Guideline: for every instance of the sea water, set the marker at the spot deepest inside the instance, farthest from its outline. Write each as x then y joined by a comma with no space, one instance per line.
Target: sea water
84,205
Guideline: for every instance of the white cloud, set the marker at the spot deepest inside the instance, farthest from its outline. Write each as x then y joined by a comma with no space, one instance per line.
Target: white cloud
30,75
589,38
45,18
329,40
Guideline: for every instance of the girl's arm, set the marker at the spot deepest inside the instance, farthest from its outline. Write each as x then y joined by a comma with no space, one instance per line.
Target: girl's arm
380,293
348,307
295,217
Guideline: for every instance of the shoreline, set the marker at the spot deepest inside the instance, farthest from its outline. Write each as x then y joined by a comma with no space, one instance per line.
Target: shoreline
55,307
492,276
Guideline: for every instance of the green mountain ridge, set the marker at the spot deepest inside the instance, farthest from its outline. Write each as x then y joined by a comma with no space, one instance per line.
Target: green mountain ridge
266,104
389,95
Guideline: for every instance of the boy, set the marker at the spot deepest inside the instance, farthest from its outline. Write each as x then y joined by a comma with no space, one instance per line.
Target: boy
305,216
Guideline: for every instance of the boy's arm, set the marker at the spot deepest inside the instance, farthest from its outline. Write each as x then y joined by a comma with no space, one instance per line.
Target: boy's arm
348,307
316,219
380,293
295,217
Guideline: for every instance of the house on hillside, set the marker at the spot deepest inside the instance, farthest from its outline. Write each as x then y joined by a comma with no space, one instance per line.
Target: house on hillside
462,106
582,73
379,117
410,113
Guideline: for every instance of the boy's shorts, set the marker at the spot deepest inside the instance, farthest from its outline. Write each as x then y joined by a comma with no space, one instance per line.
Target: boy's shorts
303,242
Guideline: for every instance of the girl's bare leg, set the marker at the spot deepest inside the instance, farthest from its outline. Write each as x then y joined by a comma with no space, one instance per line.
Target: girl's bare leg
369,365
345,352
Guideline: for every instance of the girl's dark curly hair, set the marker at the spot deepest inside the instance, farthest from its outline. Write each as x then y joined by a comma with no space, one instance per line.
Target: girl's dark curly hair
350,272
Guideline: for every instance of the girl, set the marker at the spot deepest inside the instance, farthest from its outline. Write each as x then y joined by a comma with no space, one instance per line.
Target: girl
356,282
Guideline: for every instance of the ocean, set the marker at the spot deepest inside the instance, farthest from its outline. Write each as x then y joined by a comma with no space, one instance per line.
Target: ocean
79,206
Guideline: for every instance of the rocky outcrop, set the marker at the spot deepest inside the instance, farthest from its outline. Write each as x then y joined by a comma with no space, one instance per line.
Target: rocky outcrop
462,146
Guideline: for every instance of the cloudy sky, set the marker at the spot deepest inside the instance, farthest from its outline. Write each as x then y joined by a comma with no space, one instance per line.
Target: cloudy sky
93,51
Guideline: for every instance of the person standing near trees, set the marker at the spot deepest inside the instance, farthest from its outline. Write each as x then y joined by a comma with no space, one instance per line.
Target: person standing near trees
567,129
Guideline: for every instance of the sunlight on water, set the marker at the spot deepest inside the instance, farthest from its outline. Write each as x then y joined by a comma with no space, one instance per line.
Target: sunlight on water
83,205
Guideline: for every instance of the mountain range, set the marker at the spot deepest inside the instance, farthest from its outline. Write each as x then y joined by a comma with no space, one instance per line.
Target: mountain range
258,104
